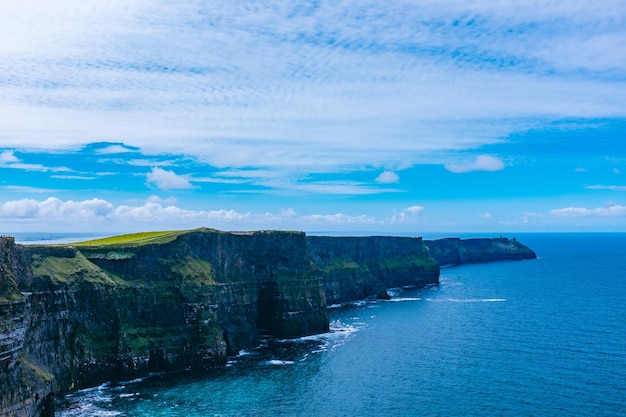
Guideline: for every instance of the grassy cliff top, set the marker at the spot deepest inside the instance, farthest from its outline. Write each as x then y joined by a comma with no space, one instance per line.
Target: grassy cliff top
151,238
135,239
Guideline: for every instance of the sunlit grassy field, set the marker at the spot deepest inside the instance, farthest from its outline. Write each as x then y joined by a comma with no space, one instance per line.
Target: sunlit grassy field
132,239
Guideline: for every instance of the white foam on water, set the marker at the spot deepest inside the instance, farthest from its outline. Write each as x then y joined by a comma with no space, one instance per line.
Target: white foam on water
401,299
468,300
91,402
393,292
278,362
244,352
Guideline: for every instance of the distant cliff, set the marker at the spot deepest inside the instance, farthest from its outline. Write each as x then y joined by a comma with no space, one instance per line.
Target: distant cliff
455,251
76,316
359,267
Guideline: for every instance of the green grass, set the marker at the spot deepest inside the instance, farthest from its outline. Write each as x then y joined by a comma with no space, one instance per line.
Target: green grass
11,298
135,239
194,270
71,270
340,263
33,375
408,261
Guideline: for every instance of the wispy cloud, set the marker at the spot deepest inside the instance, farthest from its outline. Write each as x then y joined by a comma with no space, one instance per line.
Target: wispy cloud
611,211
607,187
407,215
28,189
480,163
115,149
350,84
72,177
9,160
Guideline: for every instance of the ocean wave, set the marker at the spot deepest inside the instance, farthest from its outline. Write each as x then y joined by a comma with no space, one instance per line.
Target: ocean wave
468,300
401,299
277,362
91,402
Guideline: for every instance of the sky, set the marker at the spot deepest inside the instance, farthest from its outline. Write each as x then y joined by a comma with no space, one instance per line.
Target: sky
396,117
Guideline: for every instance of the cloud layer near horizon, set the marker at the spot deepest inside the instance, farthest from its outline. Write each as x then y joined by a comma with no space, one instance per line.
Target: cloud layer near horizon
98,215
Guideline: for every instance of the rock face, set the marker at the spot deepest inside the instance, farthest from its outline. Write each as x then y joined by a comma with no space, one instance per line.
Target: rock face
455,251
74,317
359,267
25,388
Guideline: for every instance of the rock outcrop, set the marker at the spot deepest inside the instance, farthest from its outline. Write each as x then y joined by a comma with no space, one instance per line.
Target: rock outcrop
76,316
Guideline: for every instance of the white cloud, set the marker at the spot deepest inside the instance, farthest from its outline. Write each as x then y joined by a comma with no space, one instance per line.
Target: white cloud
72,177
157,199
616,171
481,163
338,218
532,214
612,211
166,180
355,83
407,215
580,169
485,215
53,209
387,177
97,215
289,213
414,210
607,187
115,149
27,189
9,160
7,157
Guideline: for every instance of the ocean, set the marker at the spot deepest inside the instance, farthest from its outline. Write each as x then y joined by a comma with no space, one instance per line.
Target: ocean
544,337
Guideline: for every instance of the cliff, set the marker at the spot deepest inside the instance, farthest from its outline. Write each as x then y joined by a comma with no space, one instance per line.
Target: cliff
455,251
119,308
76,316
25,388
359,267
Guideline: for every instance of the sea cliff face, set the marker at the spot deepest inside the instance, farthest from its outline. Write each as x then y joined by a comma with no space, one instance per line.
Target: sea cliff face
76,316
455,251
359,267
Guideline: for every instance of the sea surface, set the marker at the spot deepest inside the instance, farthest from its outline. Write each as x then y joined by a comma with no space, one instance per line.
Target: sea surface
544,337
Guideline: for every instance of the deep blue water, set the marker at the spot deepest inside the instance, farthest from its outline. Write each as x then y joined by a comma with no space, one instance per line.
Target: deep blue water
544,337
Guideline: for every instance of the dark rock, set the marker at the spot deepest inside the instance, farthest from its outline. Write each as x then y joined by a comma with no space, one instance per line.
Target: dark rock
383,295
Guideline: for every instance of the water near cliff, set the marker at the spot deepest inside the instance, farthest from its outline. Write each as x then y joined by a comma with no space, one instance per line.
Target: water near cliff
543,337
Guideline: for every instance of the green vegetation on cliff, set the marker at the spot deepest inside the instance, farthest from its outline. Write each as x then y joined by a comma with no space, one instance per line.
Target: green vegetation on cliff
71,269
134,239
9,291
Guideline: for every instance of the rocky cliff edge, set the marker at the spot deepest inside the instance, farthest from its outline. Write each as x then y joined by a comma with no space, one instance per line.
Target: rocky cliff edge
119,308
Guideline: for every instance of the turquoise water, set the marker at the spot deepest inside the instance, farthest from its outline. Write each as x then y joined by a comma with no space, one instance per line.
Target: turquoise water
544,337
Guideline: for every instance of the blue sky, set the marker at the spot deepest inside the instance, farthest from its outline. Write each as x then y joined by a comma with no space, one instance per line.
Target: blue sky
349,116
